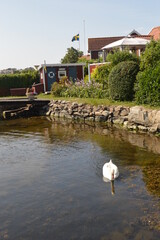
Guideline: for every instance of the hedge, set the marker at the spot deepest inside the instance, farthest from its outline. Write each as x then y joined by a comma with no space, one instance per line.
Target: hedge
19,80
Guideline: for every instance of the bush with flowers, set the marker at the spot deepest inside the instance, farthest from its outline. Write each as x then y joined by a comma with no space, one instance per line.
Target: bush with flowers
79,89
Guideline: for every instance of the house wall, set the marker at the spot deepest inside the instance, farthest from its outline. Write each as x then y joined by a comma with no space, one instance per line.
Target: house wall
94,54
155,32
52,74
80,72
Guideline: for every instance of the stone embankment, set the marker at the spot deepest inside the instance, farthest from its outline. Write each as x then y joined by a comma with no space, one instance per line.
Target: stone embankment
134,118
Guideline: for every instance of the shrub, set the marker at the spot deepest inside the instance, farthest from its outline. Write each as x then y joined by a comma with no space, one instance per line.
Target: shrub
57,89
100,74
121,81
120,56
18,80
79,89
147,86
151,55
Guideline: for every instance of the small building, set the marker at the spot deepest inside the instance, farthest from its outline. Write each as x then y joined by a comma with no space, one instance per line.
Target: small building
50,73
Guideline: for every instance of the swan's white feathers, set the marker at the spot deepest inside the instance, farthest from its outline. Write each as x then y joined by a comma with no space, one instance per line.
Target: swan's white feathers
110,170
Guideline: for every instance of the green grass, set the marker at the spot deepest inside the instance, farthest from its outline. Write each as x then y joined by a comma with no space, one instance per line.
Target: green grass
91,101
97,101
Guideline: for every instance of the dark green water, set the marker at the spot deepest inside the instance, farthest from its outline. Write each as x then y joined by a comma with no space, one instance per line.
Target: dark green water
51,184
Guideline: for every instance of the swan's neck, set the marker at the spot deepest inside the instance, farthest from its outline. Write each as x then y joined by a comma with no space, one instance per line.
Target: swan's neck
112,175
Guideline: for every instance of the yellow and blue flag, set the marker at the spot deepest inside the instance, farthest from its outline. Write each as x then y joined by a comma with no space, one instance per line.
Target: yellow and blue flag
75,38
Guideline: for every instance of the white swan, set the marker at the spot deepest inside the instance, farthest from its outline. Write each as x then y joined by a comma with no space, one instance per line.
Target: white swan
110,171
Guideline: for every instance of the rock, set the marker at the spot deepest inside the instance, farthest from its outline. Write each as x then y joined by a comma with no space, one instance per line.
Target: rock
151,116
125,124
154,128
63,113
124,112
98,113
77,114
105,113
142,128
118,121
157,117
91,119
138,115
131,126
100,118
56,114
63,102
74,105
49,112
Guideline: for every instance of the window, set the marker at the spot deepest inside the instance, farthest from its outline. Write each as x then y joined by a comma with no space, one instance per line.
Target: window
61,74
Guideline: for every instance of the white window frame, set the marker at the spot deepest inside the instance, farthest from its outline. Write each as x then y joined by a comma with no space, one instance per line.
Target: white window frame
61,72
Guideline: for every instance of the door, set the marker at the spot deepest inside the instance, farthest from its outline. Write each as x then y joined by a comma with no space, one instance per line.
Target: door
51,77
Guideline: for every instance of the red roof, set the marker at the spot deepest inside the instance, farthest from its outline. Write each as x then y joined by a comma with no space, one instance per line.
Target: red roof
95,44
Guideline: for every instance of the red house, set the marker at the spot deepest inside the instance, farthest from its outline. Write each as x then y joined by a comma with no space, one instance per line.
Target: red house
95,45
50,73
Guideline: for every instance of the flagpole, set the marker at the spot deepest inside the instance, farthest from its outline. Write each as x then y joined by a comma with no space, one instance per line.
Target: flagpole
84,37
79,42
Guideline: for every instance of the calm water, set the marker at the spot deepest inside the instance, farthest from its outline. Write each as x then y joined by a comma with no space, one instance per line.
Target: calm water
51,184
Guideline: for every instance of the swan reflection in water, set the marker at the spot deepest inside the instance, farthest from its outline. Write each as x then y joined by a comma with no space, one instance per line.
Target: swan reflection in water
110,172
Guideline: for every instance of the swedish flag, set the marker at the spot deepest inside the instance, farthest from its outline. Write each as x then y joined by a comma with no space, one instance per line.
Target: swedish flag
75,38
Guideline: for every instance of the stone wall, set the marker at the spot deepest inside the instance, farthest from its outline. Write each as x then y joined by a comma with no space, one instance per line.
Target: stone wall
132,118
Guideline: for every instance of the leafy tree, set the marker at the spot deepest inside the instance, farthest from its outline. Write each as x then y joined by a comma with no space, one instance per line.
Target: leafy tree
151,55
121,81
147,86
71,56
101,74
120,56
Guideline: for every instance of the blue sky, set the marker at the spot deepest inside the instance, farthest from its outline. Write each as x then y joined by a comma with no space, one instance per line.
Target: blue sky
32,31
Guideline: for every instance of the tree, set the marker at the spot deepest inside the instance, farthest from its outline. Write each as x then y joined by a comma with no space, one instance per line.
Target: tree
71,56
151,55
100,74
147,86
121,81
121,56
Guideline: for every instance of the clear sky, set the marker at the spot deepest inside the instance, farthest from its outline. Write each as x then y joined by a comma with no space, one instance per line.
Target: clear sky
32,31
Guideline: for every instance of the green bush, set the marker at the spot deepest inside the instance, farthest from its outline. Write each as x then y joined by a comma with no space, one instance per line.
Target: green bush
147,86
151,55
18,80
79,89
120,56
86,91
100,74
121,81
57,89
